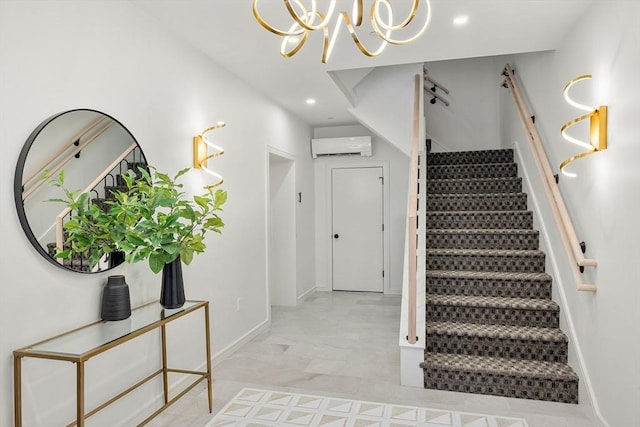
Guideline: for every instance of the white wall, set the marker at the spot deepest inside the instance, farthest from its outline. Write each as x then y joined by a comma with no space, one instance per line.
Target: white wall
471,121
603,200
397,165
384,103
106,55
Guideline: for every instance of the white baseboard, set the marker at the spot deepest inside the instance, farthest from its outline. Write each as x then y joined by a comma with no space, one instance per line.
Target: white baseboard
234,346
308,293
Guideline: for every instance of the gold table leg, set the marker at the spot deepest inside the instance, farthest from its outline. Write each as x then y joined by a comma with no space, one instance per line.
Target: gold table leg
165,369
208,351
17,390
80,393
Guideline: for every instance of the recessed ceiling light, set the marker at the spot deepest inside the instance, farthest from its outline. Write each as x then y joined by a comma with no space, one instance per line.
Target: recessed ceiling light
460,20
310,101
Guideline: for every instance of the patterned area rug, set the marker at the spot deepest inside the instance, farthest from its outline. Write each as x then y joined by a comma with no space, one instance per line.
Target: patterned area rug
253,407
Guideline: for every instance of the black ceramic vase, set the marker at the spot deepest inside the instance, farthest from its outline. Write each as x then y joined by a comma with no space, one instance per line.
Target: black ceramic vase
116,303
172,292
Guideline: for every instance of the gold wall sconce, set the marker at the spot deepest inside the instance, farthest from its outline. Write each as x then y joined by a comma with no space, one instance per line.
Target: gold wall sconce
202,155
597,127
381,19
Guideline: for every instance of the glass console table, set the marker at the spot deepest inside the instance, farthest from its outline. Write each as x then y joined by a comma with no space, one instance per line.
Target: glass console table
80,345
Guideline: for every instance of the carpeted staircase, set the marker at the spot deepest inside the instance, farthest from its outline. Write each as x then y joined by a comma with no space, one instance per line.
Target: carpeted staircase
492,327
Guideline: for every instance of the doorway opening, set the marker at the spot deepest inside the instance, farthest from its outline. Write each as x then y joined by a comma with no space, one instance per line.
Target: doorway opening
281,229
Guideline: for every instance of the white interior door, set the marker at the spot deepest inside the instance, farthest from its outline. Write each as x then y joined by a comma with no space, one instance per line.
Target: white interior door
357,229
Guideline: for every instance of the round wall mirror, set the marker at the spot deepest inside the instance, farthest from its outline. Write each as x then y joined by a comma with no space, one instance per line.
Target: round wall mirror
93,149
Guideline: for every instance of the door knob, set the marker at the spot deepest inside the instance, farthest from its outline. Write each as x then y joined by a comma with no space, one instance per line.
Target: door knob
335,236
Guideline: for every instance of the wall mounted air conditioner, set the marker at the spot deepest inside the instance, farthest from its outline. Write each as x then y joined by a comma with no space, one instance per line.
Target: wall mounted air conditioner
345,146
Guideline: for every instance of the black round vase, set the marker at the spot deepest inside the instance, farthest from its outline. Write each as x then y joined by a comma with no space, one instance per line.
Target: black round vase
116,304
172,292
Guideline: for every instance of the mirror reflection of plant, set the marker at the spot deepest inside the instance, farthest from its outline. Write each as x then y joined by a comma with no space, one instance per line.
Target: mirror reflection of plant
87,231
152,219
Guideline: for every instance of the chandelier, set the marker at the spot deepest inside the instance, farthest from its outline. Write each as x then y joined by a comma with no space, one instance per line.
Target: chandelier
381,18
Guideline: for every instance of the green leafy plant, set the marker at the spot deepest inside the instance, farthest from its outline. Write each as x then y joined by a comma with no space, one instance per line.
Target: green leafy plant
151,220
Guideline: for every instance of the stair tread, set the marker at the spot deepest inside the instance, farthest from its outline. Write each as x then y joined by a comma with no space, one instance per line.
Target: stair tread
488,275
496,331
501,365
454,180
510,231
494,212
476,195
493,302
488,252
446,166
500,155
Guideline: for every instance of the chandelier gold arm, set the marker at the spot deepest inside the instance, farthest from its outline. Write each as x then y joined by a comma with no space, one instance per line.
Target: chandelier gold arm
268,27
296,48
310,15
375,15
357,40
358,12
305,21
379,33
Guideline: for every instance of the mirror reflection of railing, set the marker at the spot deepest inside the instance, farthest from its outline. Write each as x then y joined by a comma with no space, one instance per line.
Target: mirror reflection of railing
131,159
55,163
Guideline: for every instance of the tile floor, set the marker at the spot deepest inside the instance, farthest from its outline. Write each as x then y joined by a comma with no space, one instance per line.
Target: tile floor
341,344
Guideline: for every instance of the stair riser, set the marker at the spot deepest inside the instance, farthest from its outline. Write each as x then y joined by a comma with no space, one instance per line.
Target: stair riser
501,385
496,170
544,351
492,316
482,288
470,157
477,202
514,264
480,220
524,241
476,186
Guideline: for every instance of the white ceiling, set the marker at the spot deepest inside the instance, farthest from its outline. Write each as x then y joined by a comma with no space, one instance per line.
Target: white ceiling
226,31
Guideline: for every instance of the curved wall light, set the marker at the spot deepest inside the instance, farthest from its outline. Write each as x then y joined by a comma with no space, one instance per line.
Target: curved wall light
201,156
597,127
310,19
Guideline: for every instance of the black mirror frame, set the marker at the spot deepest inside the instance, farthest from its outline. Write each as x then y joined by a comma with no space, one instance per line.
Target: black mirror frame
17,186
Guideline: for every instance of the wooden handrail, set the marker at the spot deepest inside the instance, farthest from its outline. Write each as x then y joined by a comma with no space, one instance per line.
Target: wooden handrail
65,211
563,220
435,83
80,147
42,166
412,214
440,97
